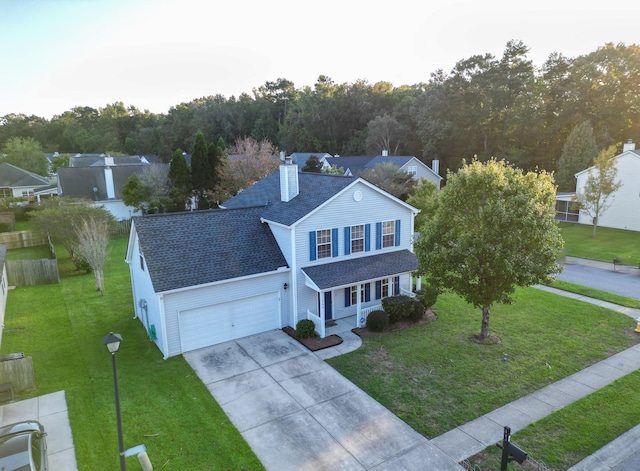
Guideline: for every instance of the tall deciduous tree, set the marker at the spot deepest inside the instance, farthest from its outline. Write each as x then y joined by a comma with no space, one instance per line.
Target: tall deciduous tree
577,154
61,218
252,161
493,230
601,184
25,153
93,238
424,198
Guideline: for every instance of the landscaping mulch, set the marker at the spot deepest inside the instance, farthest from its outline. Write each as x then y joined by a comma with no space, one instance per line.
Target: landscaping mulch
429,316
314,343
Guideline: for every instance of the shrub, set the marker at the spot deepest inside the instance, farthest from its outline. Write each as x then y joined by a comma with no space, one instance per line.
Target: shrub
377,321
428,295
398,307
418,311
305,328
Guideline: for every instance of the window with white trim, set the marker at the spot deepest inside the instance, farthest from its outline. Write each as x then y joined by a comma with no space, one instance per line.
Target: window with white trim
357,238
388,233
385,288
323,243
412,169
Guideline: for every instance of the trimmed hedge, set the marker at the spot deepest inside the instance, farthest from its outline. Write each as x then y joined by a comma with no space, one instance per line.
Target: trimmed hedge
305,329
399,307
377,321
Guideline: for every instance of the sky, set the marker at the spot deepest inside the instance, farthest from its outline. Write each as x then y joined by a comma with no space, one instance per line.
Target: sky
155,54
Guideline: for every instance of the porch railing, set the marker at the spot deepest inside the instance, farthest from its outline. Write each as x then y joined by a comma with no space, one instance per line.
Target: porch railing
364,313
405,292
320,328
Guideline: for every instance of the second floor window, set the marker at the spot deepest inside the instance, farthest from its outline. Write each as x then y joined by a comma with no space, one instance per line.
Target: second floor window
323,243
357,239
388,233
413,169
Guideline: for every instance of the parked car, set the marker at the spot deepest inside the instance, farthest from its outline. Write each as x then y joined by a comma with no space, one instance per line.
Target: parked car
23,446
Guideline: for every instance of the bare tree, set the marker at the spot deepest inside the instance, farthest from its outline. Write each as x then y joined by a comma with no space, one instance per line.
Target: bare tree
93,238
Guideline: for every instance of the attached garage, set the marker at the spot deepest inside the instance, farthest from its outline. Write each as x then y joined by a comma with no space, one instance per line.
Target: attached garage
216,323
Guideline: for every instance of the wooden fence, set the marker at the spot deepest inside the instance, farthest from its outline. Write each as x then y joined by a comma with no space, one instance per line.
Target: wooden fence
32,272
18,372
21,239
121,228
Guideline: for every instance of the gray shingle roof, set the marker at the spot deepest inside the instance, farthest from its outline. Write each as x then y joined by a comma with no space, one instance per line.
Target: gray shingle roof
356,270
315,189
358,163
79,182
12,177
191,249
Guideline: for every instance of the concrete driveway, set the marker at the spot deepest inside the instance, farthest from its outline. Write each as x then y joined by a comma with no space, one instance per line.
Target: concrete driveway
51,411
297,413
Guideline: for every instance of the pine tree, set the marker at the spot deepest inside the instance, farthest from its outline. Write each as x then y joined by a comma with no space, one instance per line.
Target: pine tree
199,170
180,181
578,154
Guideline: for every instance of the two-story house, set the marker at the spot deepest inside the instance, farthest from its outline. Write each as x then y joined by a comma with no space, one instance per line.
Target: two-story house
293,246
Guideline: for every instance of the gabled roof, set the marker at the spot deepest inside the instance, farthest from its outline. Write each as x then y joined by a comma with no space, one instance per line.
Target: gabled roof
358,163
97,160
79,182
300,158
635,153
200,247
314,190
357,270
13,177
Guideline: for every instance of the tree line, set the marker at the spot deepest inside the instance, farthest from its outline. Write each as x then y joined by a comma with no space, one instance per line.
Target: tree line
485,106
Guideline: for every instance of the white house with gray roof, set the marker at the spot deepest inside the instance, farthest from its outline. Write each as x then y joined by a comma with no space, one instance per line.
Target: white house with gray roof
293,246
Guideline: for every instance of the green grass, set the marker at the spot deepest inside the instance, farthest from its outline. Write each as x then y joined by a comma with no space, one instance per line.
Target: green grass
435,378
28,253
164,404
609,243
566,437
596,293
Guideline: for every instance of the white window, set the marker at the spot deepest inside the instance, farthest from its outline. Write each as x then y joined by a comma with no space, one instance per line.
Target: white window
412,169
323,243
385,288
357,238
388,233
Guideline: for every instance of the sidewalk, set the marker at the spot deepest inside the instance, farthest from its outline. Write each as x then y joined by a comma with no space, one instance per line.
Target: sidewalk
471,438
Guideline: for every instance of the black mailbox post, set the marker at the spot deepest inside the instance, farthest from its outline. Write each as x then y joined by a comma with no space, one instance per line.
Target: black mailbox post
510,452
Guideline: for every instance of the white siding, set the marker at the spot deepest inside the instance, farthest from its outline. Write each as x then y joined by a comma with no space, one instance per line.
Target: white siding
344,210
4,289
143,289
283,238
199,297
624,212
423,171
118,209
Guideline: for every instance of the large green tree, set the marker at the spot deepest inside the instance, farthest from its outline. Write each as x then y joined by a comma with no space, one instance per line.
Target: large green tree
25,153
424,198
601,184
577,154
180,181
391,179
493,229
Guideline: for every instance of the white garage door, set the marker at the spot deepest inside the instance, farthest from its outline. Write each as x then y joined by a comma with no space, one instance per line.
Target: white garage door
218,323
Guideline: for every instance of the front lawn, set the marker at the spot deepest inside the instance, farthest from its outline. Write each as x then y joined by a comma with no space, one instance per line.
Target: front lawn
435,378
609,243
164,404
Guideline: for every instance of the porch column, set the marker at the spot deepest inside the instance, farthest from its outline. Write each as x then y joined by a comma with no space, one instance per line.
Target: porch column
321,313
359,304
418,283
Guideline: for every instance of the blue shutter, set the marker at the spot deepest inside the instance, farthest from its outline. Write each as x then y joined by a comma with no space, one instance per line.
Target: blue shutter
367,292
378,235
334,242
347,240
396,285
378,289
312,245
347,297
397,232
367,237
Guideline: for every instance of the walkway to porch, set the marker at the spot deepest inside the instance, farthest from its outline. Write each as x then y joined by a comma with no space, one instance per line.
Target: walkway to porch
342,329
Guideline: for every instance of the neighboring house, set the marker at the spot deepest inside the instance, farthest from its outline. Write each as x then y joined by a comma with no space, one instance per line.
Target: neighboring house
624,211
293,246
300,158
101,184
16,182
4,288
355,165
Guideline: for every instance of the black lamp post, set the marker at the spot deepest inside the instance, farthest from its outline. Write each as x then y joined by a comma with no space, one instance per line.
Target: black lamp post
112,342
